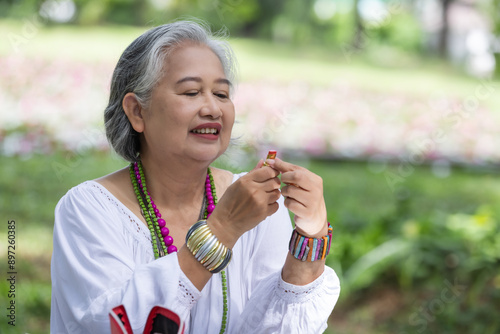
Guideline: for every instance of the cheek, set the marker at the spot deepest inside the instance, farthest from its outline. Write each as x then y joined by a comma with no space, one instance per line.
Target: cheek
228,120
229,115
175,119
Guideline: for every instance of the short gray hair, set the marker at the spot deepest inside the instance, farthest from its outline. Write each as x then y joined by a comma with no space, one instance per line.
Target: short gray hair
140,68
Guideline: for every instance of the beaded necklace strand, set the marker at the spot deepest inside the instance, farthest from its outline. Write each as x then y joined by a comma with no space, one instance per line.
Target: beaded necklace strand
157,225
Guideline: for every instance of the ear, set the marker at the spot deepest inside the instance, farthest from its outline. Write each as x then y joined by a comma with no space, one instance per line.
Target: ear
134,111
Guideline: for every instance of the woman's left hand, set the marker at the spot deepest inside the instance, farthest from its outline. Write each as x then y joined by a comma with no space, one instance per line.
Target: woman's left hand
304,197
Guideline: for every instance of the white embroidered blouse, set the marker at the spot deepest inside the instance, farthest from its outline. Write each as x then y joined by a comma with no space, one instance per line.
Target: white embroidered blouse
103,258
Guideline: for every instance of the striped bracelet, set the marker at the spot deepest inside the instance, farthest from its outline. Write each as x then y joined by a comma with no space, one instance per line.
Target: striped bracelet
205,247
310,249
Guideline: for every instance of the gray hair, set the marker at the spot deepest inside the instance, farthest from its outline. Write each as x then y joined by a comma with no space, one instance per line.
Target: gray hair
140,68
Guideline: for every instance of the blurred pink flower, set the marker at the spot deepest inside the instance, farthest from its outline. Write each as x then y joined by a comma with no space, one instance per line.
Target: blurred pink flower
66,100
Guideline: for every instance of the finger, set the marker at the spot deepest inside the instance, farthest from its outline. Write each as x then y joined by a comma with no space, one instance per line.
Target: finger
271,184
295,206
259,165
272,208
264,174
273,196
296,178
281,165
296,193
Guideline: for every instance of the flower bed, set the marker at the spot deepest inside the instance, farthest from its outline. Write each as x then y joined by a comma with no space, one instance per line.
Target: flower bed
58,103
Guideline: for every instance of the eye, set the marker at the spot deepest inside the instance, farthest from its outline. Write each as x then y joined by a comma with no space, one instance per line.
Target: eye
191,93
222,95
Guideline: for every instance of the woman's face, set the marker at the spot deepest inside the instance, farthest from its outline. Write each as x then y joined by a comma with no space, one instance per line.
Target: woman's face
190,115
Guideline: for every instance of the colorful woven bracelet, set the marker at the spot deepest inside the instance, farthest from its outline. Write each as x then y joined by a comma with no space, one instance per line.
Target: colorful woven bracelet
310,249
205,247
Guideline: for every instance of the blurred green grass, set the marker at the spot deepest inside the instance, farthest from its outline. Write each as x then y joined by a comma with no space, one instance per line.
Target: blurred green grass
31,187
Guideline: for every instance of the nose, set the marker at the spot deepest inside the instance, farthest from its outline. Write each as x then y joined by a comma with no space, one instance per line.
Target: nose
211,107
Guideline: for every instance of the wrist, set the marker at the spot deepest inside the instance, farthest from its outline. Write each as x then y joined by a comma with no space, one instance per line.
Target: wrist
206,248
311,233
223,233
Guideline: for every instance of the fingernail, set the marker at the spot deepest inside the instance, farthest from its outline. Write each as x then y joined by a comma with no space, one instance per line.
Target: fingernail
270,162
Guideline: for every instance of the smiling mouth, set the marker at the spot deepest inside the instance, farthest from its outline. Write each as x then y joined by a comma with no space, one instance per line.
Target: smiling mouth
212,131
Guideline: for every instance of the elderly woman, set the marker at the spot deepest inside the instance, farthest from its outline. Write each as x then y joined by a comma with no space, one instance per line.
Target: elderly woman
214,247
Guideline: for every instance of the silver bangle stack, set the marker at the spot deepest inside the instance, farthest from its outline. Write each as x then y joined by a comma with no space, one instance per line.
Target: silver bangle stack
206,248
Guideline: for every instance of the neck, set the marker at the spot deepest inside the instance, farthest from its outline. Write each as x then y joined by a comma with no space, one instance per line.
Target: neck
175,185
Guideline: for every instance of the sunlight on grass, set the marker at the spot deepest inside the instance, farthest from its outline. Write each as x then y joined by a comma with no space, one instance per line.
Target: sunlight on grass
36,240
86,44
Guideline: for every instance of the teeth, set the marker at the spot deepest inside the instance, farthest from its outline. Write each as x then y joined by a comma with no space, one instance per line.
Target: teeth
205,130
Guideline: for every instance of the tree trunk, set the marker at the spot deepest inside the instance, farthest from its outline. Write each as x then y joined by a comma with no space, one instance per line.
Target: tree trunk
359,28
443,34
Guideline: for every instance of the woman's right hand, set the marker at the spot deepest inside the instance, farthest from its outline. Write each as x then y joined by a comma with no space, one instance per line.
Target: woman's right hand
246,203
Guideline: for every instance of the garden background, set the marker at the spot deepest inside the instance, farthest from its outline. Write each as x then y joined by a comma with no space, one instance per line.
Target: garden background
394,103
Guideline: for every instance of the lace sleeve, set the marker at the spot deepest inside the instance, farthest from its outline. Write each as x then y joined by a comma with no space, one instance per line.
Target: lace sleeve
188,294
280,307
299,293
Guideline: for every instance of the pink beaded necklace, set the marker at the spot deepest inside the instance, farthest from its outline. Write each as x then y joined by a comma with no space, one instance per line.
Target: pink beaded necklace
156,223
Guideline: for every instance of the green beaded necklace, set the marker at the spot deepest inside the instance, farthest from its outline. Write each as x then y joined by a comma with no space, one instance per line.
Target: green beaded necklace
153,219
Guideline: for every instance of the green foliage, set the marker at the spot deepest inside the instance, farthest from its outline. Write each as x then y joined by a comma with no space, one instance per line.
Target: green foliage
111,11
402,30
19,9
441,232
294,21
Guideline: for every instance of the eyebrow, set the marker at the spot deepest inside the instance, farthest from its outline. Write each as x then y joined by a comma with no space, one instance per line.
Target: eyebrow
198,79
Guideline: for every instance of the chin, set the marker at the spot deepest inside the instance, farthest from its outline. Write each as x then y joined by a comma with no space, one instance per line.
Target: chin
210,155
